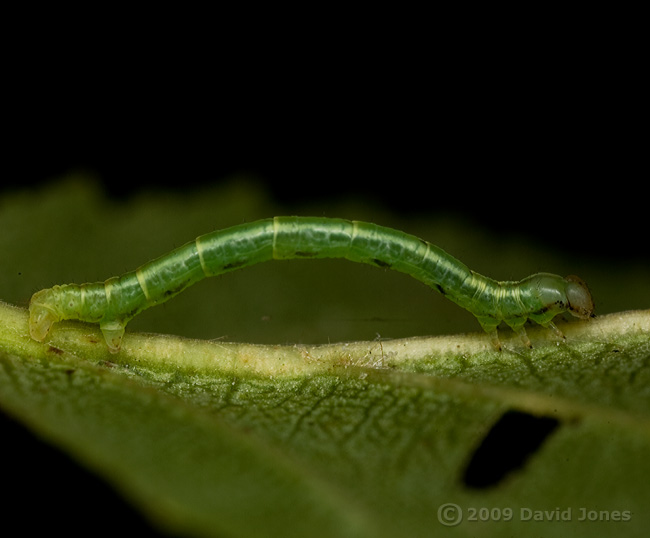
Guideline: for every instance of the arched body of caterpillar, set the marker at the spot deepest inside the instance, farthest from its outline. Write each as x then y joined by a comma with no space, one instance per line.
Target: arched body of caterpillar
113,303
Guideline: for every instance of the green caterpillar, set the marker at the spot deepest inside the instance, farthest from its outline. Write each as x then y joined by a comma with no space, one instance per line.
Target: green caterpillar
113,303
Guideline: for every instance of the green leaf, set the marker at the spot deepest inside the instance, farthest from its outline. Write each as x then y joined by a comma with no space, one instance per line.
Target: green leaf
360,438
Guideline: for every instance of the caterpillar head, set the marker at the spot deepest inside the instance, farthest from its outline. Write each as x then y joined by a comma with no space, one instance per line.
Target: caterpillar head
580,303
41,315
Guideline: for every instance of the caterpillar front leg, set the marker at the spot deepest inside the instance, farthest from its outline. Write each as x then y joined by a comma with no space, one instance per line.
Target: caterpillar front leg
517,325
523,336
558,332
490,325
494,338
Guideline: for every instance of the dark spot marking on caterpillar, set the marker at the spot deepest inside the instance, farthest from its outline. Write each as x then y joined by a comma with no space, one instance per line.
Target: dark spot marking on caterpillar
128,315
304,254
176,289
381,263
234,265
55,350
441,289
506,447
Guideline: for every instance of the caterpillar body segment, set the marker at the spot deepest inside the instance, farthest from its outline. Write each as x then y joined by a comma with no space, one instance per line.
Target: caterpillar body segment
113,303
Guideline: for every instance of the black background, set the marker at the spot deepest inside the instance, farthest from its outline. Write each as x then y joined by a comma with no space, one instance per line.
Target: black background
535,133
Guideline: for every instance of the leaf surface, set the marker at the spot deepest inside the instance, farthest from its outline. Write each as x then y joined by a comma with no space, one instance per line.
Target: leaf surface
354,438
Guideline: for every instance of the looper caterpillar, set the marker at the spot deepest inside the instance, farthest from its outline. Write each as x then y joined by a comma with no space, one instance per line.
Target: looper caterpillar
113,303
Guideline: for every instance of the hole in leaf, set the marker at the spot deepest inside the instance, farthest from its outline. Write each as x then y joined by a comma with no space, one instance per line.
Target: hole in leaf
506,447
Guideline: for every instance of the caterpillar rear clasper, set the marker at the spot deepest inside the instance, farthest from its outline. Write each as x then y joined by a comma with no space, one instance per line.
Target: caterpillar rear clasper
111,304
